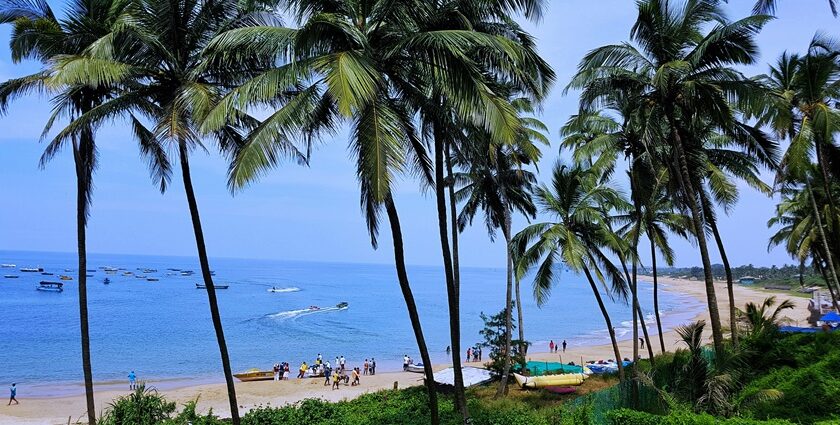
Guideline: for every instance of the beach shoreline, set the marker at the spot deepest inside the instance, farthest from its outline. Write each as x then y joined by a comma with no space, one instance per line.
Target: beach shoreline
213,395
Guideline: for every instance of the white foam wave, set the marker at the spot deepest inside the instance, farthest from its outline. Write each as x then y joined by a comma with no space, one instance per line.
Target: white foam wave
284,290
292,314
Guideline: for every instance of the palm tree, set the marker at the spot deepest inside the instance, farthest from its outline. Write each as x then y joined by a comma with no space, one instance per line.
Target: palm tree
577,237
498,185
159,67
38,34
768,7
682,66
760,320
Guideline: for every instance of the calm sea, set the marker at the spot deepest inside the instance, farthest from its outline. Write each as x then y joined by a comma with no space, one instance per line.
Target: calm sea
162,329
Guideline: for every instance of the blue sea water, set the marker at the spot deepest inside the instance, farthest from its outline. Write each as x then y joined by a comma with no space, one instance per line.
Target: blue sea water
162,329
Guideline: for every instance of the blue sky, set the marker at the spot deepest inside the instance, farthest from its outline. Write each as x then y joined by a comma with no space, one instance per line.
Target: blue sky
313,213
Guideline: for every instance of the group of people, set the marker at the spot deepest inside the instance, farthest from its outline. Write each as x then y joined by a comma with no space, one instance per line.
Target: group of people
407,361
281,371
555,348
474,354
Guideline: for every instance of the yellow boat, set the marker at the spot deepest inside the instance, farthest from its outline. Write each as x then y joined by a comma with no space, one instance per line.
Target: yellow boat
565,380
255,375
65,277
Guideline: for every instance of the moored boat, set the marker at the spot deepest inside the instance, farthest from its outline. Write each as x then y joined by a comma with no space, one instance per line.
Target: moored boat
8,266
565,380
50,286
152,279
65,277
416,368
255,375
342,304
11,276
31,269
46,273
200,286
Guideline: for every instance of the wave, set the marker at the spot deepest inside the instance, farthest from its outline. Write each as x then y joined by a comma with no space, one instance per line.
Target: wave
293,314
284,290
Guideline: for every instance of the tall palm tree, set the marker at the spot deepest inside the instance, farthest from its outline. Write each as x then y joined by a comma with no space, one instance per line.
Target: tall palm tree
577,237
496,183
38,34
768,7
156,57
682,63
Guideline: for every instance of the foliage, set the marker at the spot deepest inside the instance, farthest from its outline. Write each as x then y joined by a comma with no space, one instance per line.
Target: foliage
632,417
495,334
144,406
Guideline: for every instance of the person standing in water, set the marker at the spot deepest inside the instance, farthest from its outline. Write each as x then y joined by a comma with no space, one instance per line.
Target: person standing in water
132,381
13,394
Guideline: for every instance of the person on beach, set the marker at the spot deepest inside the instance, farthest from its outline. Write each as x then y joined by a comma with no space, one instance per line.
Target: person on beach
276,371
335,381
551,346
475,354
405,362
303,368
367,365
372,366
355,377
342,362
318,359
479,353
642,340
285,371
13,394
132,381
448,350
327,374
564,345
469,354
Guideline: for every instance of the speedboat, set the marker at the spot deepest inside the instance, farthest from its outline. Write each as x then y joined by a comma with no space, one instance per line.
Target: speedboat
50,286
200,286
11,276
342,304
314,308
8,266
187,273
31,269
255,375
65,277
275,289
416,368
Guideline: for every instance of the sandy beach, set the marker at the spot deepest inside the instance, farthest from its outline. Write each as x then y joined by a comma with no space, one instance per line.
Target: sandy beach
58,410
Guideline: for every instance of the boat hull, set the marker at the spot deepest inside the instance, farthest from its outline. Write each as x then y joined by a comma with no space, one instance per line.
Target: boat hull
262,375
569,379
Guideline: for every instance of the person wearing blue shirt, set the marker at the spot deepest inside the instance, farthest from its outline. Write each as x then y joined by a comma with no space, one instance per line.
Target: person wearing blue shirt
132,381
13,393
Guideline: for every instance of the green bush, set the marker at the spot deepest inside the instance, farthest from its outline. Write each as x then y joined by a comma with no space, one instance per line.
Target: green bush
632,417
141,407
809,393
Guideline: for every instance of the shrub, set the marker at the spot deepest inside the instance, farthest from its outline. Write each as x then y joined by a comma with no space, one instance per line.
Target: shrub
142,407
632,417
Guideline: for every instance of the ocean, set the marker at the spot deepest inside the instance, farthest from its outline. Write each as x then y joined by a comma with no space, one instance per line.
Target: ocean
162,329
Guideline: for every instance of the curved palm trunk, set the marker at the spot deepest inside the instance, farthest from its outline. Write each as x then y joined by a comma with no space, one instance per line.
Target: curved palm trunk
411,306
523,346
606,315
208,280
451,289
82,188
690,195
656,296
453,213
508,310
828,257
733,323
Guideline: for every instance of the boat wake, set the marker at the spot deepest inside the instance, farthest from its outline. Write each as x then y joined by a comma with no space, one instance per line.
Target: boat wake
284,290
293,314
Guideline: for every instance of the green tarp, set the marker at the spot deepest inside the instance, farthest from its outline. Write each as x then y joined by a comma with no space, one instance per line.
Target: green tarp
542,368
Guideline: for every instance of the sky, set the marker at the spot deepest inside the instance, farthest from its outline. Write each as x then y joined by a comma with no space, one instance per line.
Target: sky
312,213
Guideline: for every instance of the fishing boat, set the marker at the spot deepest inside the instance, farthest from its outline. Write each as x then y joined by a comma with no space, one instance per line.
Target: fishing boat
200,286
31,269
50,286
187,273
149,270
65,277
106,281
46,273
11,276
565,380
110,269
416,368
342,304
8,266
152,279
255,375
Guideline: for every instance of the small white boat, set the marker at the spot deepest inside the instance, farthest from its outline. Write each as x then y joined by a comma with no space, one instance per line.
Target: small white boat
416,368
50,286
8,266
11,276
283,290
200,286
31,269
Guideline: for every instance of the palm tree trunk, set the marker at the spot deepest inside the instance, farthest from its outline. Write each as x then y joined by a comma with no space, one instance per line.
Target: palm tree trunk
208,279
656,295
520,325
606,315
453,214
508,309
414,317
828,257
733,322
690,195
82,192
451,290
